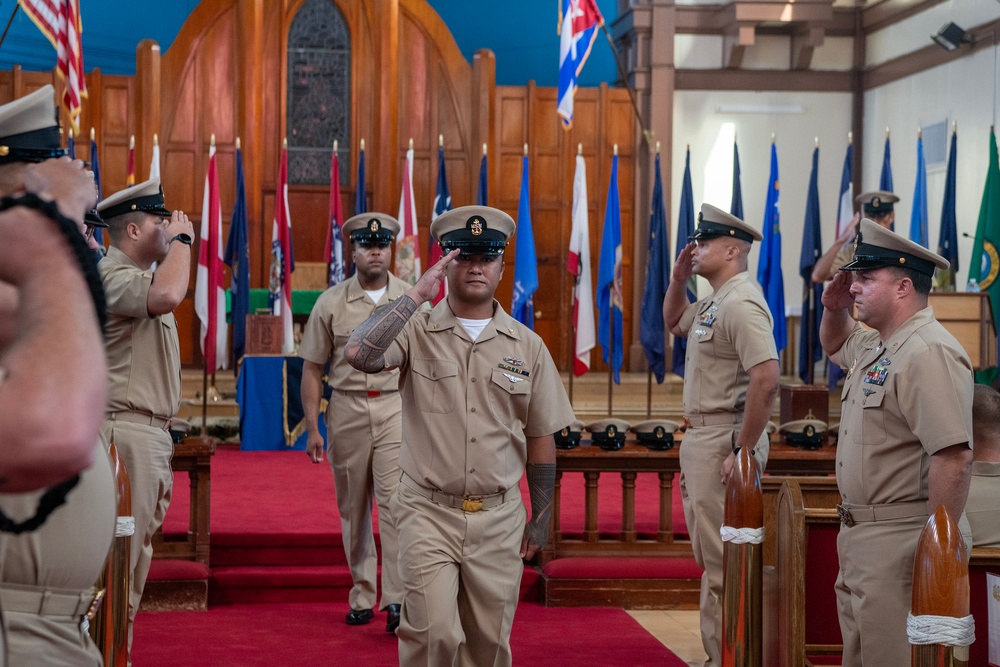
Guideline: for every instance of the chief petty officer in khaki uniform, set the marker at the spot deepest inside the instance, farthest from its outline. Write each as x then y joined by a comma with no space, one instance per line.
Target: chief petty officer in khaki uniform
47,574
363,417
143,352
729,388
876,206
481,399
905,433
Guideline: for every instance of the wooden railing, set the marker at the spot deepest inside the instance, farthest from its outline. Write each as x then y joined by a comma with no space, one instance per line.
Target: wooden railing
193,456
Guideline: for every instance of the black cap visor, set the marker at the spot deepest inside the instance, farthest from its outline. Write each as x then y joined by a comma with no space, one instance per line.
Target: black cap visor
711,230
869,257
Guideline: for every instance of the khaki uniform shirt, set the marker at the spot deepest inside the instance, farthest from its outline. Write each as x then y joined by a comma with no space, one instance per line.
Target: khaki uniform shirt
144,367
902,401
728,332
983,505
844,256
338,311
468,407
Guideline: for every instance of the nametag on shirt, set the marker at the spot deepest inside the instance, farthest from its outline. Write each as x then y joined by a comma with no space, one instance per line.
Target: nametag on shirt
876,375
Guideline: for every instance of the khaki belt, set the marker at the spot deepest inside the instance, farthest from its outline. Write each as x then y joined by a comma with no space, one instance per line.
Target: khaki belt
468,503
365,392
162,423
49,602
715,419
852,514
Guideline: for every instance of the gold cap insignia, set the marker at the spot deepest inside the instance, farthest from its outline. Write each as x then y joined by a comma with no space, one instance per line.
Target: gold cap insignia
876,202
660,432
374,225
611,430
4,150
476,225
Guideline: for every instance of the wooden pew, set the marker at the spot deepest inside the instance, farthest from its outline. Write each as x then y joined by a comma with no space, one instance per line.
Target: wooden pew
981,562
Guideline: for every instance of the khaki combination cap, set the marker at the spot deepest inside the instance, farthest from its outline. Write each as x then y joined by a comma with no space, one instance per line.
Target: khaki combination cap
714,222
475,230
807,427
609,433
569,436
369,227
29,129
876,247
656,434
146,197
877,202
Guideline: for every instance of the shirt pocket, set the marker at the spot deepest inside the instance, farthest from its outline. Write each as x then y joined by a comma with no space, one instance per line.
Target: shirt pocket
509,397
435,385
340,337
872,415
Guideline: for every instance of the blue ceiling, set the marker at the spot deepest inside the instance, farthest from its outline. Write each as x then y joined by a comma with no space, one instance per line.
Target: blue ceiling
522,34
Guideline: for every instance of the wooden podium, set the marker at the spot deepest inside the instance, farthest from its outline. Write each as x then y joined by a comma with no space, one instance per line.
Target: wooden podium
969,318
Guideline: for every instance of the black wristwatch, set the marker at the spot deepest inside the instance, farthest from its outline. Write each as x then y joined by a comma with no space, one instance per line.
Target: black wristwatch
183,238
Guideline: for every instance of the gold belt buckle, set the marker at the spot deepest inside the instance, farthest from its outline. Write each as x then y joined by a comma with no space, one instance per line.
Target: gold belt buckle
472,504
95,605
845,516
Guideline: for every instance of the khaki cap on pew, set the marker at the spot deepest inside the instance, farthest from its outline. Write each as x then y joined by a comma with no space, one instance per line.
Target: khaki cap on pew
569,436
657,434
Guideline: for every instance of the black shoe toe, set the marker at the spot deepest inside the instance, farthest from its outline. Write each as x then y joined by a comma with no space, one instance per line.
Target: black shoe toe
360,616
392,617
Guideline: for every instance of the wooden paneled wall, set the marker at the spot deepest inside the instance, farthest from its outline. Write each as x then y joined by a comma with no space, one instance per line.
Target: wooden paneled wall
225,75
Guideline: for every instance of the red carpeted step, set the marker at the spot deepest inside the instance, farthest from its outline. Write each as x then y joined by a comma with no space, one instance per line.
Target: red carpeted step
169,569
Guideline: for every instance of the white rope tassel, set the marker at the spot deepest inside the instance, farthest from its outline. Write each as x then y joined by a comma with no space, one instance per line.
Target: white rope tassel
742,535
125,526
922,630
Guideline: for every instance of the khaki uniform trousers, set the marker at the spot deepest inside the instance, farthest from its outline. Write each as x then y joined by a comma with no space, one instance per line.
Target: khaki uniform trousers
39,637
462,576
704,497
874,589
363,434
146,451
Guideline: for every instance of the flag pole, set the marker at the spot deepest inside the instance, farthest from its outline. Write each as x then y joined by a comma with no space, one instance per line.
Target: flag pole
17,5
646,134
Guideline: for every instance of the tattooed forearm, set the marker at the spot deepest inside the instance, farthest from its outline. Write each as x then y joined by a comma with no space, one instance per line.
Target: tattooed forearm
541,484
365,350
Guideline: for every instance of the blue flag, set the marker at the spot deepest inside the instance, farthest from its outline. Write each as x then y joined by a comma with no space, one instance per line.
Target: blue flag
651,330
769,269
238,259
525,262
736,205
918,216
609,280
95,167
885,180
812,307
360,197
71,146
685,228
948,237
483,194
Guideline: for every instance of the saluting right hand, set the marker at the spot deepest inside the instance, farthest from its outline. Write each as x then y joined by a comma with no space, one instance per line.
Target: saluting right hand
837,295
851,230
179,224
430,283
683,268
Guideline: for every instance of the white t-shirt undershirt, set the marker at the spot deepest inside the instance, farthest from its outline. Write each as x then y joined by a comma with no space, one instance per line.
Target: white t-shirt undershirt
376,294
473,327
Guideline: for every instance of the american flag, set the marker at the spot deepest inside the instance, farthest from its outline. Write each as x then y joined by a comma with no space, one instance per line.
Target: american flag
59,21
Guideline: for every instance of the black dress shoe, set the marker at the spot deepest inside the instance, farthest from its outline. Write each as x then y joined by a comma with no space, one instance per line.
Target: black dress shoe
360,616
392,618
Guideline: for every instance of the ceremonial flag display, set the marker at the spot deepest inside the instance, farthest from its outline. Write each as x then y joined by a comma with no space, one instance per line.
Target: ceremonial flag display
525,262
651,328
95,167
442,203
609,280
948,236
483,192
238,259
578,264
333,248
360,197
736,205
407,243
812,306
918,215
130,179
579,21
154,162
209,294
985,263
685,228
59,21
282,258
769,269
845,206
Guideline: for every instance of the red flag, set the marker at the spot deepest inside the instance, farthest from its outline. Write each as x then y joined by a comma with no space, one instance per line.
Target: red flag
282,261
333,249
407,245
130,179
209,295
578,264
59,21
